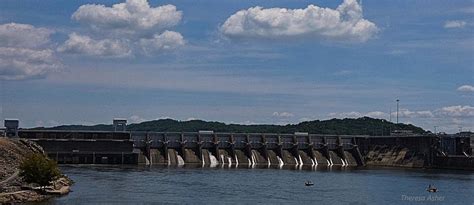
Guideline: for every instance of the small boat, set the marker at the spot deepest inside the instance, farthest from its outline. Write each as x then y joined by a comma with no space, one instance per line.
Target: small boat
308,183
432,190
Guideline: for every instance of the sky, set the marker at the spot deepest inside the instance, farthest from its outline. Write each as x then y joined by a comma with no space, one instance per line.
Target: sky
234,61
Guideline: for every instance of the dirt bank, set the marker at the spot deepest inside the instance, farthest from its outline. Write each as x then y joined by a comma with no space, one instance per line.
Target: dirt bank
13,188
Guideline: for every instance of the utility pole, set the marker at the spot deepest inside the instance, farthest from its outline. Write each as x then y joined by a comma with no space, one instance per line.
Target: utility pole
398,101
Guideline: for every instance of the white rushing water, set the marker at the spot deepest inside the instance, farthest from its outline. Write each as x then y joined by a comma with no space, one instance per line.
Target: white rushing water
202,157
222,160
254,159
280,162
169,159
180,160
147,162
230,161
213,160
301,161
236,161
268,160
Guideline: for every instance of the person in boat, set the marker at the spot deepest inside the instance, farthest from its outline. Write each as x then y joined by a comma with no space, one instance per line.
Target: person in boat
308,183
432,188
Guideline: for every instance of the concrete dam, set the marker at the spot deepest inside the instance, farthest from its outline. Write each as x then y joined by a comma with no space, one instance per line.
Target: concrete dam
206,148
200,148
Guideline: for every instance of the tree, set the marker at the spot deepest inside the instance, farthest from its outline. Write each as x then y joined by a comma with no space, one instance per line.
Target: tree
37,168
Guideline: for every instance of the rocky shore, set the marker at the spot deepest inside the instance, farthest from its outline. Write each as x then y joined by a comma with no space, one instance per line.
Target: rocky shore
13,189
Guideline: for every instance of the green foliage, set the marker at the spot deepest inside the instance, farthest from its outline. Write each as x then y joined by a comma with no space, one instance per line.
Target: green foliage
360,126
37,168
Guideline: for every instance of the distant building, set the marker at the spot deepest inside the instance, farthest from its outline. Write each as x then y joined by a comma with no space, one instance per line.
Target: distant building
120,124
402,133
11,127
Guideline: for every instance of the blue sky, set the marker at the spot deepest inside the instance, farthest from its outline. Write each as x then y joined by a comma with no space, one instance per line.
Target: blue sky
86,62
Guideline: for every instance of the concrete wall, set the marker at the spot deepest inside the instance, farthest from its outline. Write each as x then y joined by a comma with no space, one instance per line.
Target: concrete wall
454,162
399,151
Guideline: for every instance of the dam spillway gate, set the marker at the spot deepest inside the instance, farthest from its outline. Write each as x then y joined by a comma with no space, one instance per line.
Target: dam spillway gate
246,149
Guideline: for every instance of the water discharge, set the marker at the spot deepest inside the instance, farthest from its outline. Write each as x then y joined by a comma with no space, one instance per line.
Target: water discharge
301,161
254,162
213,160
280,162
180,160
236,161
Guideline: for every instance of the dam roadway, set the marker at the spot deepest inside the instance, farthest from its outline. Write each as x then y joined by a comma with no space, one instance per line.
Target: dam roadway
206,148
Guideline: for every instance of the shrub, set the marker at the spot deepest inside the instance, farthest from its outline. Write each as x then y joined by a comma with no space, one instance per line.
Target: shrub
37,168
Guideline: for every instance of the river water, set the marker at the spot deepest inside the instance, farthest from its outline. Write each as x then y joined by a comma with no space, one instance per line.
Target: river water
175,185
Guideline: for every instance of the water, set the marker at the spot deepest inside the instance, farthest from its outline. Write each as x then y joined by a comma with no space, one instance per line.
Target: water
334,185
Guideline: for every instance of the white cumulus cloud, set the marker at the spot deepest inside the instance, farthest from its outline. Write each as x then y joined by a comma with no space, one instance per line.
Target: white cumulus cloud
25,52
345,23
131,17
165,41
79,44
414,114
374,114
456,111
136,119
455,24
466,88
25,63
283,114
23,35
125,29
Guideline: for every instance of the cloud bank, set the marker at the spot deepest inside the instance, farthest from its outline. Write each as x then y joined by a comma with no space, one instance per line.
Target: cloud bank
345,23
125,29
25,52
455,24
374,114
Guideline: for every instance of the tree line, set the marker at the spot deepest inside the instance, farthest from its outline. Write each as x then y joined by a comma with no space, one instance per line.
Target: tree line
347,126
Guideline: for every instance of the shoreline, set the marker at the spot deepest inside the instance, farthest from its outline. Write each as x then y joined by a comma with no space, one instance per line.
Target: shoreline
13,188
